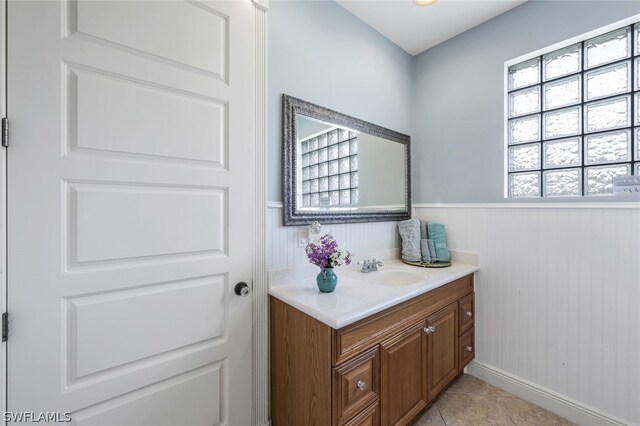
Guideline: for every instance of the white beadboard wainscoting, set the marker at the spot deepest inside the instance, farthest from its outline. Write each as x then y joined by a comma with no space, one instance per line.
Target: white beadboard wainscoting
558,302
358,238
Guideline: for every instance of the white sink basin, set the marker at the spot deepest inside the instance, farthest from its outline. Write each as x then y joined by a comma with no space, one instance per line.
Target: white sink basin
392,277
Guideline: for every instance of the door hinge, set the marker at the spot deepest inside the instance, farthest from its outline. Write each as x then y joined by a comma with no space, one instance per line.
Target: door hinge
5,326
5,132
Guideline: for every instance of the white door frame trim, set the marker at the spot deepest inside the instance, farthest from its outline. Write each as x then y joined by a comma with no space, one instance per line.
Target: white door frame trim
3,205
260,296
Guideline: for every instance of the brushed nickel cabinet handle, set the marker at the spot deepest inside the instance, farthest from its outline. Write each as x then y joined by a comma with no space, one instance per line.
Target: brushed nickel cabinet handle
361,385
470,349
469,313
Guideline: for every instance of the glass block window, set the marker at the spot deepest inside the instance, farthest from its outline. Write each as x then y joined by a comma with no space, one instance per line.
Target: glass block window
330,169
573,119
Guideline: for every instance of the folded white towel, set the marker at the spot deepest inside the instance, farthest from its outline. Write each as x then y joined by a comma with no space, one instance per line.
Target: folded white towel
410,233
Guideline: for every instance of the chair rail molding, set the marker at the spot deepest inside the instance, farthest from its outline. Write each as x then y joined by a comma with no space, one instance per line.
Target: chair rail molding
619,204
260,295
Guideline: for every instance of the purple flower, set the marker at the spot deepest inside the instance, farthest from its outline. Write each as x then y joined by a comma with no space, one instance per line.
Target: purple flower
327,254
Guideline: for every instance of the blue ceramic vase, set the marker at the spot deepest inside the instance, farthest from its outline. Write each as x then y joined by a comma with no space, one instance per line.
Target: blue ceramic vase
327,280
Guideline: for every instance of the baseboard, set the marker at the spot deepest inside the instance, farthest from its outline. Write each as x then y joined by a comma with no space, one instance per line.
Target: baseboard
568,408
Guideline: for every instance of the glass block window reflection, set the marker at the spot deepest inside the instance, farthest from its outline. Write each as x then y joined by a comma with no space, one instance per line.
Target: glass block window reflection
573,119
330,169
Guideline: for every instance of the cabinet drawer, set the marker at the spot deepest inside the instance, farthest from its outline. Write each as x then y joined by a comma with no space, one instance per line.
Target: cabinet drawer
353,339
369,417
467,348
356,385
466,313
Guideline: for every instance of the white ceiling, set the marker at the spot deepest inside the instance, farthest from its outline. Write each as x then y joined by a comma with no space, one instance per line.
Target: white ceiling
416,29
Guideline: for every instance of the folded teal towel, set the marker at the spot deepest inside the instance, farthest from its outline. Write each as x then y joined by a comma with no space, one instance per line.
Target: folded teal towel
423,230
426,252
437,234
432,250
410,232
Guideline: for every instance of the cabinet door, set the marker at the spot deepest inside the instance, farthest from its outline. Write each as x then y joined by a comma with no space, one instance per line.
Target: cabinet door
403,382
442,348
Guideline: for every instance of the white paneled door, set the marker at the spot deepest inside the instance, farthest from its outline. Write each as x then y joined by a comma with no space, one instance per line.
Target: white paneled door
130,210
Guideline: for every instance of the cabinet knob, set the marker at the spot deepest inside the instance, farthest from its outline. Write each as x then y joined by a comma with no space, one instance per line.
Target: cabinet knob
361,385
469,313
429,329
470,349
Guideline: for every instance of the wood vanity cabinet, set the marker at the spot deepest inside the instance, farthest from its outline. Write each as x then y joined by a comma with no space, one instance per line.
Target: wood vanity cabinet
380,371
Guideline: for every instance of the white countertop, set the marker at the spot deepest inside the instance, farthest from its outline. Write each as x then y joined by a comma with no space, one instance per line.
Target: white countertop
356,297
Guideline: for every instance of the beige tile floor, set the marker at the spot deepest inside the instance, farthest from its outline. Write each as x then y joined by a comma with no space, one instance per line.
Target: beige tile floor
471,402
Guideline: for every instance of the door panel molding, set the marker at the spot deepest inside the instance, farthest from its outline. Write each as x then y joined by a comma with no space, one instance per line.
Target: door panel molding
90,332
83,20
206,383
108,129
94,237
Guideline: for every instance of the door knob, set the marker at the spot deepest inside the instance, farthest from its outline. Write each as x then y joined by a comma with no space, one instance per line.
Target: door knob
242,289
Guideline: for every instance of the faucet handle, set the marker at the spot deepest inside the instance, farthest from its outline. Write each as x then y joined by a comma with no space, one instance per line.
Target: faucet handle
366,264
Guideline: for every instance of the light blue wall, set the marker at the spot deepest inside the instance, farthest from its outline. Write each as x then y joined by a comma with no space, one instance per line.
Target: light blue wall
320,52
458,95
449,98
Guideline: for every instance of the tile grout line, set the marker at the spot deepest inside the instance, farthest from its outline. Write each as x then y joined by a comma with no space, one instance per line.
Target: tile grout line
440,412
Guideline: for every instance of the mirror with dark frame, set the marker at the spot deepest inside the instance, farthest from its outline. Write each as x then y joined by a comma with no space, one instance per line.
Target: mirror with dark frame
339,169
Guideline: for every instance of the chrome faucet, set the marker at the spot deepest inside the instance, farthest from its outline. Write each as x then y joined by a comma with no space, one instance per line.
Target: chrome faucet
370,265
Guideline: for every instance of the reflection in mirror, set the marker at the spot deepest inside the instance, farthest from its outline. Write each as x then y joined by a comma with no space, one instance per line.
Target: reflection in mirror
344,169
339,169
